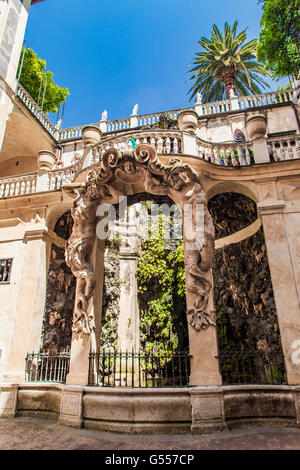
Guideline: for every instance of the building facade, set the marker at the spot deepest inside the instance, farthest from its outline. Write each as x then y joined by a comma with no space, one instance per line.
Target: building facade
246,145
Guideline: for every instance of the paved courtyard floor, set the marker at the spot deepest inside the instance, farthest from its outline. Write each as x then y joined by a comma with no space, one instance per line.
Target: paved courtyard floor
37,434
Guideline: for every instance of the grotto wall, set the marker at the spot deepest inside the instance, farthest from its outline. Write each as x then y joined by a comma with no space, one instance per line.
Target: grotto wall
243,294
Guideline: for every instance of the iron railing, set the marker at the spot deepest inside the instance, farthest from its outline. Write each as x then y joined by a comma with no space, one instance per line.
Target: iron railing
252,368
111,368
47,366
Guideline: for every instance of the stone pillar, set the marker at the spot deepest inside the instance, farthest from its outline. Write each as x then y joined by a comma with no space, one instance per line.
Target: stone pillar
30,308
198,258
129,320
8,400
71,406
204,351
79,360
82,343
208,413
281,230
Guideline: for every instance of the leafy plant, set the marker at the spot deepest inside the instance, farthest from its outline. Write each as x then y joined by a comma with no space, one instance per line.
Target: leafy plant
39,82
226,62
161,292
279,38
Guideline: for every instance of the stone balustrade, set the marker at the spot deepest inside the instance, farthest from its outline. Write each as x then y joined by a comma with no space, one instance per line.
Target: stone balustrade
56,178
264,99
284,148
216,108
226,154
162,140
71,133
36,110
119,125
165,142
18,185
153,118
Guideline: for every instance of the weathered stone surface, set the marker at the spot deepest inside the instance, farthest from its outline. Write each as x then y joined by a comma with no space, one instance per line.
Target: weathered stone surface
61,286
243,291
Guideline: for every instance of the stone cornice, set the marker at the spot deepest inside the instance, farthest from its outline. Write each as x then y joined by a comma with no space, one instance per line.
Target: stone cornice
271,207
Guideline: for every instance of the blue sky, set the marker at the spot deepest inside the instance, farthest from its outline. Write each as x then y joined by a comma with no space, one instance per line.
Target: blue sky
114,54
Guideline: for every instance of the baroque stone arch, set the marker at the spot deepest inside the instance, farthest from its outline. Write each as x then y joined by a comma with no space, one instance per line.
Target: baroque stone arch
104,185
249,190
56,212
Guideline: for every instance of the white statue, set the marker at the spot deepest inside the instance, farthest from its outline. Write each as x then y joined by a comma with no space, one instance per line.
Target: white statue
104,116
58,124
135,110
199,98
232,93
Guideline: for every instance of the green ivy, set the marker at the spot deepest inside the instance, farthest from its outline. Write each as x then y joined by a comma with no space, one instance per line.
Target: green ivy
161,293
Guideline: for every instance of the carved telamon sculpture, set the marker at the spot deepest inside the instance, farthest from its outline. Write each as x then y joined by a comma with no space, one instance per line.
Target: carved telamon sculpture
177,180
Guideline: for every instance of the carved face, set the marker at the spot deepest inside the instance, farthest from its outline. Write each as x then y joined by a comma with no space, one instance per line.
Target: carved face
129,167
178,179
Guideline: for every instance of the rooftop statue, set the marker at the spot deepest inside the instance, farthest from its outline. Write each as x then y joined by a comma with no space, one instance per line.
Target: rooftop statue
104,116
135,110
199,98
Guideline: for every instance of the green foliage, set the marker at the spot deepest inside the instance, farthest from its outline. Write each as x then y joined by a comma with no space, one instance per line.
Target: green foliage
226,62
33,74
279,38
161,291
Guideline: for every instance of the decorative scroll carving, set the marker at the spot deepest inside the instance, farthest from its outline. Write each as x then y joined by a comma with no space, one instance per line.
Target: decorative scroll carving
104,185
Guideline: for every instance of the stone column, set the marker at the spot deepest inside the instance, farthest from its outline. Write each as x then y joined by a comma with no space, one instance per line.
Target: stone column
129,320
281,230
31,303
203,349
83,343
199,249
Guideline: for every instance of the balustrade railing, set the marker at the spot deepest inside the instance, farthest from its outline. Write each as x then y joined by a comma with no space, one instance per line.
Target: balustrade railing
162,141
226,154
216,108
18,185
111,368
118,125
56,178
264,99
36,110
234,104
47,366
284,148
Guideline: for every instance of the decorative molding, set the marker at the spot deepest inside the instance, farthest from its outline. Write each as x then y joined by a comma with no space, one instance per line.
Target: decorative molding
105,184
270,207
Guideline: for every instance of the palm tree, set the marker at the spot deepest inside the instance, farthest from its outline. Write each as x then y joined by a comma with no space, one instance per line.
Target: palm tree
227,63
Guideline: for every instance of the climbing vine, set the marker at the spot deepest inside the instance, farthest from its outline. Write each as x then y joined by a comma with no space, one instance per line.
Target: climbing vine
161,293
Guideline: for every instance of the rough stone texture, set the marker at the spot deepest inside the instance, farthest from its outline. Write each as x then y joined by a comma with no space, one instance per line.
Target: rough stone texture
61,286
243,291
208,413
